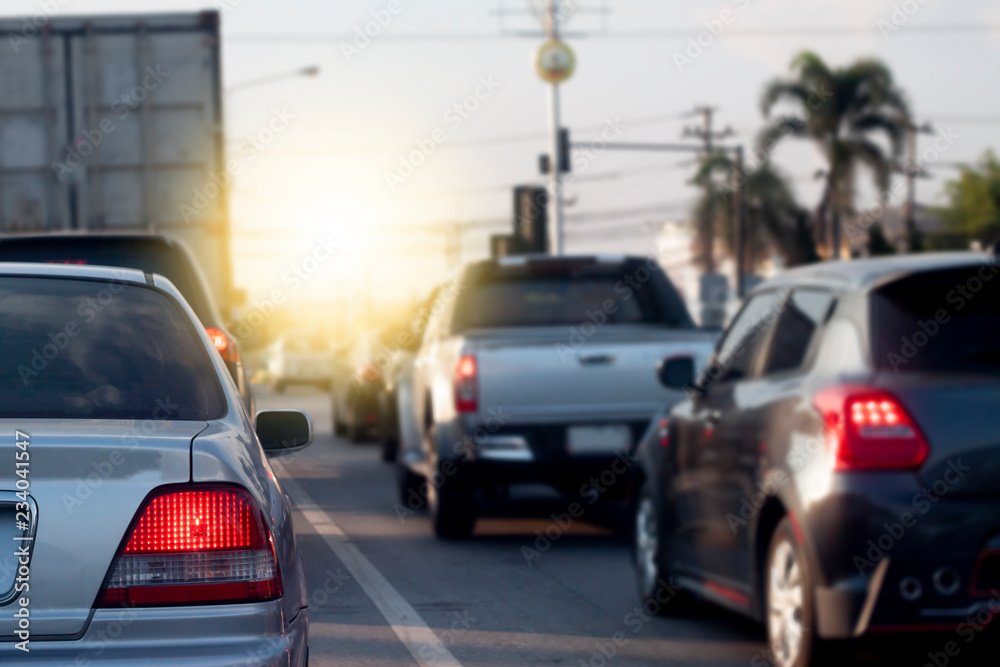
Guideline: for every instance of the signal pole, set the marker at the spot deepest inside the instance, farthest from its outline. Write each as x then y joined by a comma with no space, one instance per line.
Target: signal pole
555,177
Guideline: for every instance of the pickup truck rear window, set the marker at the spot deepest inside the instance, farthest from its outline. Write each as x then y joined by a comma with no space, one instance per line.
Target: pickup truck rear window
89,349
940,322
498,298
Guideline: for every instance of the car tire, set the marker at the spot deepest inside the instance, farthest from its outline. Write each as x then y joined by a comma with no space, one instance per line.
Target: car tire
660,594
452,507
355,434
389,447
789,610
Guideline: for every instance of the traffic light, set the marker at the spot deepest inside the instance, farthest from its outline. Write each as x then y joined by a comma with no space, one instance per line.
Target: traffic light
530,219
565,164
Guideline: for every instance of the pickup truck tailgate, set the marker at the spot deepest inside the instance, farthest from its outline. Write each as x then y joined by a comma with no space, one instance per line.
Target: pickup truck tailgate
557,375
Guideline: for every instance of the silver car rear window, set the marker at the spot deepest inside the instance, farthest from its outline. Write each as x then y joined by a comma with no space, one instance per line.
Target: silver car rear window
89,349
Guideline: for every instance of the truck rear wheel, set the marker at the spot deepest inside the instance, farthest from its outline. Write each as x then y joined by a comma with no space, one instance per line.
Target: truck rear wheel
452,506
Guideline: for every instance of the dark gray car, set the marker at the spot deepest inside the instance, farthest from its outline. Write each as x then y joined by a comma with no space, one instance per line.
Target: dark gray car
835,473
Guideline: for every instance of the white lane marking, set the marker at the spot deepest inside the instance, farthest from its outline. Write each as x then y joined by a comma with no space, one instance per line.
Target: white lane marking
425,646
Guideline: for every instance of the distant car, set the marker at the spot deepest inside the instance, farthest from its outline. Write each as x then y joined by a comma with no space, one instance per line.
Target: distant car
539,369
181,541
150,253
300,359
402,343
833,473
356,388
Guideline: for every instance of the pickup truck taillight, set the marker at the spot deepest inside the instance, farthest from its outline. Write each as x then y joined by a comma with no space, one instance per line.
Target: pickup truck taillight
869,429
467,384
204,544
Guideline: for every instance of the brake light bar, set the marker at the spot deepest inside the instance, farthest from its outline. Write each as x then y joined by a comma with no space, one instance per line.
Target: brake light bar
870,429
467,384
196,545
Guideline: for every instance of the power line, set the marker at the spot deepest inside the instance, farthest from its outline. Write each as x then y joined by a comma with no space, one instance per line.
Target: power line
745,33
468,143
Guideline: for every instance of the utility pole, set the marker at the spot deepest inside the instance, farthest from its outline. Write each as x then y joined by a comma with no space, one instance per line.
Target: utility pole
705,132
555,177
740,205
912,170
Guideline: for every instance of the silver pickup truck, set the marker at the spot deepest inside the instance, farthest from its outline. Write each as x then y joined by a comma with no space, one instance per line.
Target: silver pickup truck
538,369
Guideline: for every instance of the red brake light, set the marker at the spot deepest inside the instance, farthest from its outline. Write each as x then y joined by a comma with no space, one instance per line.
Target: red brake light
196,546
664,432
467,385
869,429
223,344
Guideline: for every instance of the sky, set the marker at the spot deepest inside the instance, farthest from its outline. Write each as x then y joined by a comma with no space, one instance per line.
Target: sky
372,105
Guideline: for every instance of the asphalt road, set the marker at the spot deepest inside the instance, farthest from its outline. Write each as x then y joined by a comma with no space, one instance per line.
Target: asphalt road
385,591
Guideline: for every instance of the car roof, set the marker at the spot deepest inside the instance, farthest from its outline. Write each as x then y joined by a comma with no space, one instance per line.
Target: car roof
88,271
83,234
518,260
862,275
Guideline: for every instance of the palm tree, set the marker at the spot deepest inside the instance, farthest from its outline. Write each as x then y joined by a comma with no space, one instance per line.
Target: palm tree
773,218
841,109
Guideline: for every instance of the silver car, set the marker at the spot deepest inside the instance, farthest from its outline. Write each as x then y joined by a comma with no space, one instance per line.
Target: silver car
140,522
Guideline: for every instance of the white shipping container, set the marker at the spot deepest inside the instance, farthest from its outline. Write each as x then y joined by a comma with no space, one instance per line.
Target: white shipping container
115,123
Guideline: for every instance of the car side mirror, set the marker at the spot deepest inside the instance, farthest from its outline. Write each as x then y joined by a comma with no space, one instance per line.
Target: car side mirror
283,431
677,372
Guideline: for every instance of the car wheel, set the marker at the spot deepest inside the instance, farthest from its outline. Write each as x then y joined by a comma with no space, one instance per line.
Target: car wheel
452,506
355,433
659,593
788,590
390,447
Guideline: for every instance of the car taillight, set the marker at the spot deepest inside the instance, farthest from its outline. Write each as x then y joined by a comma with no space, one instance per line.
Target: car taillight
663,431
206,545
869,429
225,346
369,372
467,384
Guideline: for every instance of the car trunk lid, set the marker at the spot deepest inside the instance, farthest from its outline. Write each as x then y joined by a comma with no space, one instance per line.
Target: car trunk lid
88,479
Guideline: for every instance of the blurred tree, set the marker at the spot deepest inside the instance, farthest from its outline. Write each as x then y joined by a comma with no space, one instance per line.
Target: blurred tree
878,244
973,210
775,222
840,110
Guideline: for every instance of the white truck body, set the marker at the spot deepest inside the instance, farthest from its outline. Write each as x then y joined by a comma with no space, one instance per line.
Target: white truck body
114,123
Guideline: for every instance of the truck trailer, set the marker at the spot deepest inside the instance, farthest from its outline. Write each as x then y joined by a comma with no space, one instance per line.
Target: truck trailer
115,123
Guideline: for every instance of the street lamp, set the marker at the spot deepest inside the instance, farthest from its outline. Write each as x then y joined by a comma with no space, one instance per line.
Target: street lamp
311,71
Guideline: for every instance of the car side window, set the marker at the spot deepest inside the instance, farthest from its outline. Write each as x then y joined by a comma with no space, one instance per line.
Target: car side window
733,360
796,328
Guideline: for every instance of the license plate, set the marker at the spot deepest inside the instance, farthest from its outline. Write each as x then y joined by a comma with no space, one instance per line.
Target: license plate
598,439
